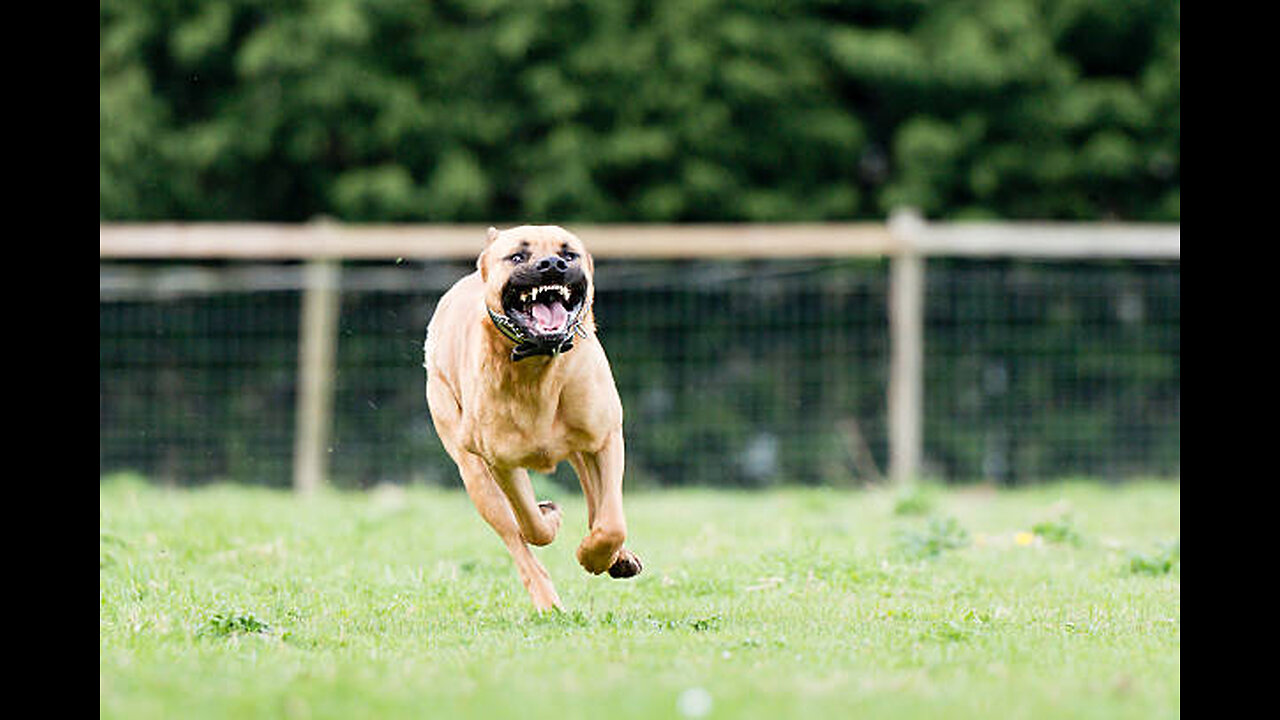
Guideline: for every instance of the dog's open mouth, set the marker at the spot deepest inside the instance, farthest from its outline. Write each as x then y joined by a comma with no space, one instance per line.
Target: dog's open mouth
545,310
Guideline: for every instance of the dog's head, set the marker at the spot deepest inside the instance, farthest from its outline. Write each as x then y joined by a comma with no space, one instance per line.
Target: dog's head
539,278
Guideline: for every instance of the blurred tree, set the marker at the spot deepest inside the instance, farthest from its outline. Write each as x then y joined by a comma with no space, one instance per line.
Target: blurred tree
673,110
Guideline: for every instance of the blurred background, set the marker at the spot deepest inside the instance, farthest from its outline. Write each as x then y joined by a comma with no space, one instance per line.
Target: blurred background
738,367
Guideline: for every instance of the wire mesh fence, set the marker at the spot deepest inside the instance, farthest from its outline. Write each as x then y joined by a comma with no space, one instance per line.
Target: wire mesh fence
1042,370
740,373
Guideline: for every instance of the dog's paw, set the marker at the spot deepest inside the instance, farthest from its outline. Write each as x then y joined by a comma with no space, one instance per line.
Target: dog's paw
551,514
627,565
599,550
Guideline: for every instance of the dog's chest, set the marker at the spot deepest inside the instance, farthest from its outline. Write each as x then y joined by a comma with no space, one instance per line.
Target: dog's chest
530,435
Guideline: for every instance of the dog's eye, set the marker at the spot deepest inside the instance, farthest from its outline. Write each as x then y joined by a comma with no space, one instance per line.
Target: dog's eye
569,255
517,257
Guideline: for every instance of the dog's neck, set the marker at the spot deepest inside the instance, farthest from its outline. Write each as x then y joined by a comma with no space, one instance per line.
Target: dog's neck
526,346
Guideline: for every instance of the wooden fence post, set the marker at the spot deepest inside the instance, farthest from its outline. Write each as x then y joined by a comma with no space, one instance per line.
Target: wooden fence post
317,343
906,340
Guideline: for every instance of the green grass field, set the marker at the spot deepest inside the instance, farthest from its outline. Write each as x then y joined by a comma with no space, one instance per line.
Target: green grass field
1058,601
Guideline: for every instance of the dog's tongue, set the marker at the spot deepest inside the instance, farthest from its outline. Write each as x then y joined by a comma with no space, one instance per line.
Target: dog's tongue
551,317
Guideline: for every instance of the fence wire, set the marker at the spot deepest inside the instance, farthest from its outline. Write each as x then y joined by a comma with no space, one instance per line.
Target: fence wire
732,373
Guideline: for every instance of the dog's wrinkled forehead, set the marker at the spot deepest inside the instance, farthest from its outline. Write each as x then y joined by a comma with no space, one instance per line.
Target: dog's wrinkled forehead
536,241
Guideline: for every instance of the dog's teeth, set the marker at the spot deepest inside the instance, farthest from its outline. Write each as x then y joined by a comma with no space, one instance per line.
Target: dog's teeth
532,295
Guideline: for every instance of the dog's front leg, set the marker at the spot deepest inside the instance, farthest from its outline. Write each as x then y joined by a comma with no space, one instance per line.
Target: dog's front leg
495,508
601,476
538,522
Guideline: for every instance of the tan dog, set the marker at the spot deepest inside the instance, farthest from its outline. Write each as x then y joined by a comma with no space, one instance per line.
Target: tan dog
516,379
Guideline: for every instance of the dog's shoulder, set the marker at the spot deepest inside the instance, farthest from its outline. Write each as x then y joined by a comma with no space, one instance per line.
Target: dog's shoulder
462,296
448,320
468,286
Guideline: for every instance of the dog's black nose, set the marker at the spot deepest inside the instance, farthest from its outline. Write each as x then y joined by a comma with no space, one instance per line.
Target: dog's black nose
552,264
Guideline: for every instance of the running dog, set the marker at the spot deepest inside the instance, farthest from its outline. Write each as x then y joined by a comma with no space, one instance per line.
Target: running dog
517,380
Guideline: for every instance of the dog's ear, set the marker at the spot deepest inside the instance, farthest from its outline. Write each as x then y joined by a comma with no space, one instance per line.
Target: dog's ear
481,265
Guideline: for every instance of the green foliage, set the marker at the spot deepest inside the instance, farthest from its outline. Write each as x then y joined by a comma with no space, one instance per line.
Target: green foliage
936,536
503,110
1059,530
1158,562
914,500
232,623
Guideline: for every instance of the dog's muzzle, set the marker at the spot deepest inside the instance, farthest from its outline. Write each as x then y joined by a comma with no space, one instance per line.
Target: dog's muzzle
542,310
528,346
